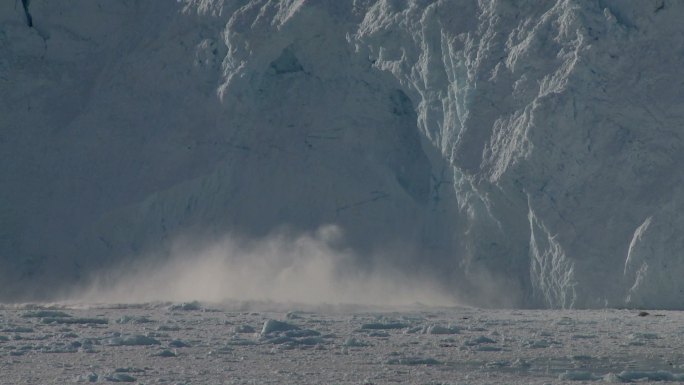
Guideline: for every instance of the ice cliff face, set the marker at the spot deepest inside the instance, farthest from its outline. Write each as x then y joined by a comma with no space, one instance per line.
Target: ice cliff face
521,153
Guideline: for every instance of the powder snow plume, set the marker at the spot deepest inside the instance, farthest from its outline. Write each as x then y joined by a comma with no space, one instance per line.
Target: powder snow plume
307,269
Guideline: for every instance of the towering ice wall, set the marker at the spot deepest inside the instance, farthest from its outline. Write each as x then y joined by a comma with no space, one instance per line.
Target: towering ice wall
519,153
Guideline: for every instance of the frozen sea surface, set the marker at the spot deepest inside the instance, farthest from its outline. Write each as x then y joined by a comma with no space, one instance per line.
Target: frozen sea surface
259,343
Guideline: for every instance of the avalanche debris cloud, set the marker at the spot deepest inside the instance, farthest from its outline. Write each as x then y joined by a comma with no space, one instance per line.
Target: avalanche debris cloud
308,269
508,153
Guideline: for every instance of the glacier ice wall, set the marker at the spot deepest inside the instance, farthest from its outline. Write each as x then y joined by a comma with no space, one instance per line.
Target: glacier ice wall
520,153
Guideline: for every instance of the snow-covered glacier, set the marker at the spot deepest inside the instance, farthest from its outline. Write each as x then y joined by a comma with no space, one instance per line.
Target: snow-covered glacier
517,153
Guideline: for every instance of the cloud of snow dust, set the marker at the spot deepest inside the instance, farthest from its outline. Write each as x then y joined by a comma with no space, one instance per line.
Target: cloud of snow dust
308,268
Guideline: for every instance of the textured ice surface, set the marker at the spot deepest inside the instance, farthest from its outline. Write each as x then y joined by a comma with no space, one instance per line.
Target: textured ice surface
517,153
326,344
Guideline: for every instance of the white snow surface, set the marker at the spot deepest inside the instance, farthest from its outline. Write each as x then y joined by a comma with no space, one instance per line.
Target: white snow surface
516,153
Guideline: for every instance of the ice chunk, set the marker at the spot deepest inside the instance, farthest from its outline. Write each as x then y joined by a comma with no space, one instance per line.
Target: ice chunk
488,348
480,340
18,329
241,342
133,319
583,336
178,344
186,306
383,326
82,321
244,329
120,377
413,361
538,344
45,313
353,342
438,329
89,377
165,353
271,325
658,375
379,334
135,340
644,336
168,328
299,333
577,375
